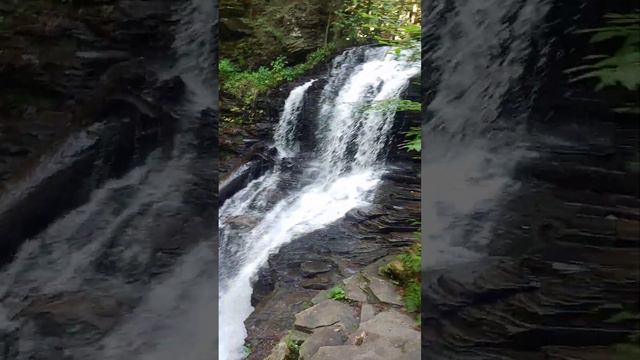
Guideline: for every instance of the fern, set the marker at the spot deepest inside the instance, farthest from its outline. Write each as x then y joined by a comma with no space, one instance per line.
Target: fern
411,261
413,140
621,68
412,297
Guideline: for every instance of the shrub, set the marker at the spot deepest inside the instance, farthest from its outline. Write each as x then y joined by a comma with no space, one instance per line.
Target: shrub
246,85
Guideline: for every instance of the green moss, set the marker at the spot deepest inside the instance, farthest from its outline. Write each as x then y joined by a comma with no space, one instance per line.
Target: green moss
412,296
337,293
405,270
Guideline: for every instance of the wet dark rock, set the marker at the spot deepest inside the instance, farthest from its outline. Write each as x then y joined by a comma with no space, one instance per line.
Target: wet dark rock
79,317
318,282
311,268
141,10
89,71
565,246
234,28
170,91
102,58
263,286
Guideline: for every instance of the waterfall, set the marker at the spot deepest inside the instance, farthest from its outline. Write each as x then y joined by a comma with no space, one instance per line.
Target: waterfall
284,136
478,52
342,174
107,253
194,47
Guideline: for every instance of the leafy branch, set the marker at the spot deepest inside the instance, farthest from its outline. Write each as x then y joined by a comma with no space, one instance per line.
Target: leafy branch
623,67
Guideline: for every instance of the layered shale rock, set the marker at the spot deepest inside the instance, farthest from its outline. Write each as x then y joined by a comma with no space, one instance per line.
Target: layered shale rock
88,68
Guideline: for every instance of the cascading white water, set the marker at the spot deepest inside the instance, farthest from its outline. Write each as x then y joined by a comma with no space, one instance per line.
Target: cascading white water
175,318
173,312
194,45
470,146
284,136
343,175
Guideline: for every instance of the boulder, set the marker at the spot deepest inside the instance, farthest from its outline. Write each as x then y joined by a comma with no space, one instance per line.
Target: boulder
353,288
385,291
326,313
327,336
280,352
320,282
311,268
378,350
367,312
80,316
398,328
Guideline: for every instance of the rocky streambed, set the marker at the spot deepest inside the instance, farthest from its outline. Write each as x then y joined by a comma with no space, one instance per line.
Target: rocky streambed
367,322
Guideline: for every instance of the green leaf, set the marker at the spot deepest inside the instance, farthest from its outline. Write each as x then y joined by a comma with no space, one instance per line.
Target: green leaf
623,316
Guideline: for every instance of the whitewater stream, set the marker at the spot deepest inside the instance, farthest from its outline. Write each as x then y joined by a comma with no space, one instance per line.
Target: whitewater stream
98,269
340,174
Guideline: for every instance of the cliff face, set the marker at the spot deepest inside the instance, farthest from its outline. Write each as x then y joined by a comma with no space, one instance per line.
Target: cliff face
108,137
63,62
66,66
563,254
254,32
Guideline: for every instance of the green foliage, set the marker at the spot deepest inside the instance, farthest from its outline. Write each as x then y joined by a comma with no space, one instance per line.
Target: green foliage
631,349
413,140
406,270
412,297
413,137
621,68
337,293
226,68
294,347
623,316
411,261
393,105
246,85
384,21
246,350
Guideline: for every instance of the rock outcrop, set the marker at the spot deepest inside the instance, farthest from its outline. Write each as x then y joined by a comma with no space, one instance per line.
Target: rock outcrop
562,277
359,327
82,68
255,31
